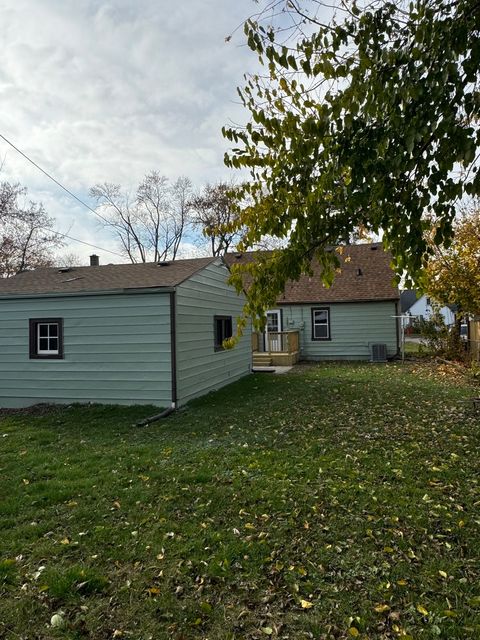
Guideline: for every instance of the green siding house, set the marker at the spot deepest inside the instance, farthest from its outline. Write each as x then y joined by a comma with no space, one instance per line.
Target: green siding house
354,319
121,334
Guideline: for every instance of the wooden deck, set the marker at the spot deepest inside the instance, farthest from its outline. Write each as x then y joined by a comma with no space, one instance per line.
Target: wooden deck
276,348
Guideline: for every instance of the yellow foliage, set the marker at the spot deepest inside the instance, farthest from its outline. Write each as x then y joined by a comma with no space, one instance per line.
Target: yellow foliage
452,275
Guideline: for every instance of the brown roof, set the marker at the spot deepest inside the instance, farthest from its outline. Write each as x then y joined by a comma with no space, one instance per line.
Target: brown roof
102,278
365,275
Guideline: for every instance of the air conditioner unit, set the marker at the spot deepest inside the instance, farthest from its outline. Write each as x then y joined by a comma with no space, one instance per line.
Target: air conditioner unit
378,352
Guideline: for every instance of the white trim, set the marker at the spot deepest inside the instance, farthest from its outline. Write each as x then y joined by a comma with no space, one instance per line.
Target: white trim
48,352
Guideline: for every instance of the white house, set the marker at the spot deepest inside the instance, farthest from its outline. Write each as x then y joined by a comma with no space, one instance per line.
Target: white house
422,308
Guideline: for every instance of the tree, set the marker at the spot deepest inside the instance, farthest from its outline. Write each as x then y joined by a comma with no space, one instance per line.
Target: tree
27,237
214,213
452,275
149,226
367,121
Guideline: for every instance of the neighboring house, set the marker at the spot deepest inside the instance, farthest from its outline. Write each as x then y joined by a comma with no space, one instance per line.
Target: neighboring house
420,307
129,334
343,322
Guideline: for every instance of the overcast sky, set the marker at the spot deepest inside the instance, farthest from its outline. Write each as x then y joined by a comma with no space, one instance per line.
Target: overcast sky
99,91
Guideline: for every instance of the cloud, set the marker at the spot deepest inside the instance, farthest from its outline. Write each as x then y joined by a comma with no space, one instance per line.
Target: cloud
100,91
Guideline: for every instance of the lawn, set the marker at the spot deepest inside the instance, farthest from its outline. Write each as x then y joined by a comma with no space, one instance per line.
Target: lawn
338,501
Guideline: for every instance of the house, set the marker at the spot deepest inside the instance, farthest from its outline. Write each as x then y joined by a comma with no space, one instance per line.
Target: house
354,319
420,306
127,333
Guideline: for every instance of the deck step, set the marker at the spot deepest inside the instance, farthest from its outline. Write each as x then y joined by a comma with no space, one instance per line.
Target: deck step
262,360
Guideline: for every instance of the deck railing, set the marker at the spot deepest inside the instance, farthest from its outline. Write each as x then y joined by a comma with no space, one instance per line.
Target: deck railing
276,342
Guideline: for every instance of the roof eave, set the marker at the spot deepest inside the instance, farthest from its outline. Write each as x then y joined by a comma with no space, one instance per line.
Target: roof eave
95,292
351,300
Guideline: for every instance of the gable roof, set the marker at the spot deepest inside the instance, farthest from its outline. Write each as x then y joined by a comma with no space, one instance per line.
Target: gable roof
365,276
103,278
408,297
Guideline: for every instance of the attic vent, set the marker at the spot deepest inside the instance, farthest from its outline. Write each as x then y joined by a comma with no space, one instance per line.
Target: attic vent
378,352
359,272
64,270
373,248
163,264
238,256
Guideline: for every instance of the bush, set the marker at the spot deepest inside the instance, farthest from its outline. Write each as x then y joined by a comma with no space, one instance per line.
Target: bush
441,339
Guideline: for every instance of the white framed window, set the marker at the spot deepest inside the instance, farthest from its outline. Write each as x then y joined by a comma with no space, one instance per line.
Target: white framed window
321,324
46,338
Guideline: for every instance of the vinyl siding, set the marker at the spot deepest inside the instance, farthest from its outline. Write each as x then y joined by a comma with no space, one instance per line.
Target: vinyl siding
200,368
116,350
353,328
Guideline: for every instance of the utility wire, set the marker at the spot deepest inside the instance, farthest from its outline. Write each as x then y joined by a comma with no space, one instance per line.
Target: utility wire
50,177
88,244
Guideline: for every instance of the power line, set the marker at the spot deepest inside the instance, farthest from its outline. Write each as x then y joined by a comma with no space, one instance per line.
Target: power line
88,244
50,177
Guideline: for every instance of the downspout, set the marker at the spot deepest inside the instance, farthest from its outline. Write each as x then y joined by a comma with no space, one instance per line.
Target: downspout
173,348
397,326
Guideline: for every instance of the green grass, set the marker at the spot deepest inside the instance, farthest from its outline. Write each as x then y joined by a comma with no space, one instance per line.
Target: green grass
338,501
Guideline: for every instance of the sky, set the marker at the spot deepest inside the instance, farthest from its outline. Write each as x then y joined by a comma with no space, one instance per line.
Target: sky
97,91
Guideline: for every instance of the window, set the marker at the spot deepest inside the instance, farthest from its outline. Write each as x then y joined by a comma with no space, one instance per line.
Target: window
222,330
320,324
46,338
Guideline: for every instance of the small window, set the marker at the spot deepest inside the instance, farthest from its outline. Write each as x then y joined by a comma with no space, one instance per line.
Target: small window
320,324
46,338
222,330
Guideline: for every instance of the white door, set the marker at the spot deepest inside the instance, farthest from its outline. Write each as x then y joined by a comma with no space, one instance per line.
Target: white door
273,341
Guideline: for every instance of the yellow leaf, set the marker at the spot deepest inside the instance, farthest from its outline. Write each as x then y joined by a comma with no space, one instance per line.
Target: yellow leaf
249,525
306,604
421,609
354,632
380,608
450,613
442,573
401,582
267,631
25,481
388,549
153,590
65,541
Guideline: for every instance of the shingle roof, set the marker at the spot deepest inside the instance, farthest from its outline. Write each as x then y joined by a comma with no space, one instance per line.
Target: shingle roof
407,298
365,275
102,278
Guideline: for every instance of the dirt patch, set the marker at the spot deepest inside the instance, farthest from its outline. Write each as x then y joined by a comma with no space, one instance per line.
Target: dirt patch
41,409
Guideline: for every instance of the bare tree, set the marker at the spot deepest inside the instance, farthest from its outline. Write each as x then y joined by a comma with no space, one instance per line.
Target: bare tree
69,259
27,237
149,226
213,212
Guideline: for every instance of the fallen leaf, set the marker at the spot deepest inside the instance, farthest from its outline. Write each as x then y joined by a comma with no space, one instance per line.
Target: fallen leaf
380,608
